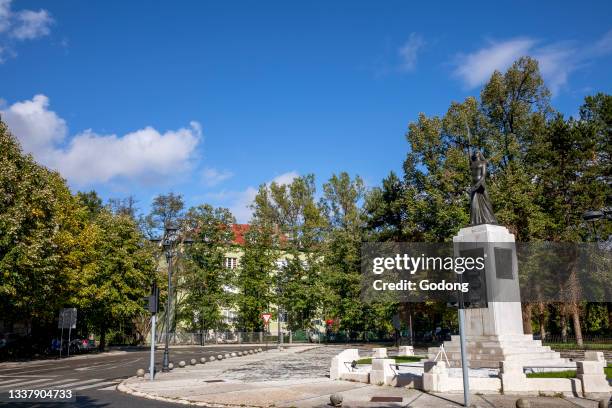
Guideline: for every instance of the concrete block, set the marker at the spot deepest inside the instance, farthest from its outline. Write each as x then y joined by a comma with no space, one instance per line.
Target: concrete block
379,352
405,351
594,356
593,377
341,363
382,373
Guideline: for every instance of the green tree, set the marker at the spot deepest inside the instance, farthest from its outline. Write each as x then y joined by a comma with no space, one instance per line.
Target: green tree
115,274
254,278
39,224
205,277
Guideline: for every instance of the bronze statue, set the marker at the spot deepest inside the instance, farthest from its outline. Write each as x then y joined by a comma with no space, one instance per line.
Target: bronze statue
481,211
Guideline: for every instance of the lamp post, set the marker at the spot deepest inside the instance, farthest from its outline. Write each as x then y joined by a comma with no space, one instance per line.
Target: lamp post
169,240
596,218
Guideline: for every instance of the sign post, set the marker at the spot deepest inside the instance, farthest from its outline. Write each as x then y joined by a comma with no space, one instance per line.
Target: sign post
67,320
153,309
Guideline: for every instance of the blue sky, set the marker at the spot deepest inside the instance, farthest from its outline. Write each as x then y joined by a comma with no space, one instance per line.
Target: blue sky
212,99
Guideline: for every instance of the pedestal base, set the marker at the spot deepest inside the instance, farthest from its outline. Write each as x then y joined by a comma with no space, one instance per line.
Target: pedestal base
489,351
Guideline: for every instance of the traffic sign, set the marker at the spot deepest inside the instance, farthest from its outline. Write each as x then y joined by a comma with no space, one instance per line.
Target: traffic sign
67,318
266,317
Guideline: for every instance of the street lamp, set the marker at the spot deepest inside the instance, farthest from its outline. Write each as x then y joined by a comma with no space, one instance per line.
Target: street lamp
595,218
169,242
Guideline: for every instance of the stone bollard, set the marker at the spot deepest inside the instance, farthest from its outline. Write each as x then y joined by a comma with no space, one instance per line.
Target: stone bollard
140,373
233,354
239,353
341,363
435,376
379,352
260,349
336,400
405,351
382,373
212,358
170,366
513,378
219,357
182,363
193,361
593,378
226,355
523,403
202,360
250,351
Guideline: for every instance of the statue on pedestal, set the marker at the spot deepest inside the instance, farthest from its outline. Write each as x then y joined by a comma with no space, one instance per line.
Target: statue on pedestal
481,211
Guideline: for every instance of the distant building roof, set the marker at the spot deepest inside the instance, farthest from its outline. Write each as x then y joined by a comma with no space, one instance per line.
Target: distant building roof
239,230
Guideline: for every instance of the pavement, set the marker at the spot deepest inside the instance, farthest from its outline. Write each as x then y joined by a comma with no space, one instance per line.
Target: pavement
299,377
94,377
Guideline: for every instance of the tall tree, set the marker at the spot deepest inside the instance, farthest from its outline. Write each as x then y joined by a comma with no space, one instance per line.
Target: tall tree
205,276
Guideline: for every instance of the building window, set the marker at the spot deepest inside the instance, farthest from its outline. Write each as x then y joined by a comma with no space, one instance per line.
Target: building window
231,263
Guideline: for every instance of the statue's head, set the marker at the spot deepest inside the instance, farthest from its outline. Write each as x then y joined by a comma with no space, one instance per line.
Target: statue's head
477,165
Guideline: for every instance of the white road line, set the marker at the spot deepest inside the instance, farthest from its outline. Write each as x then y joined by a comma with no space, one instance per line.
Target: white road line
27,376
2,383
52,383
77,383
19,384
100,384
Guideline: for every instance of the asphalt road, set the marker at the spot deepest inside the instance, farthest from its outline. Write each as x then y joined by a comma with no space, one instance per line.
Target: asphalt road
93,378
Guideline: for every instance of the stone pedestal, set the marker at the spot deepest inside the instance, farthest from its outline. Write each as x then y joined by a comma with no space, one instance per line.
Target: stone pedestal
495,334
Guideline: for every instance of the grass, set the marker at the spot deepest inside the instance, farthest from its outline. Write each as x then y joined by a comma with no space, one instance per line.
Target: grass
574,346
399,359
554,374
566,374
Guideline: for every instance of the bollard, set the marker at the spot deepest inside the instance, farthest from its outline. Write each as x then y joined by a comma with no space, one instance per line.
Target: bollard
336,400
140,372
170,366
522,403
260,349
212,358
193,361
239,353
202,360
219,357
182,363
226,355
233,354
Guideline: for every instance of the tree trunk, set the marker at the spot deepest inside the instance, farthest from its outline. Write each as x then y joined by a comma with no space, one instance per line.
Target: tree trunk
563,320
527,318
542,320
577,328
102,344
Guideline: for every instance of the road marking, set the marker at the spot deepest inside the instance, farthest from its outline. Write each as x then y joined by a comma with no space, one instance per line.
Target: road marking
19,384
3,383
59,381
111,388
100,384
59,385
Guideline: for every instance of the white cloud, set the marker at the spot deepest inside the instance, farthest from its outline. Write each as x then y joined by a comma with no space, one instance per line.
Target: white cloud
89,157
37,128
32,24
5,15
557,60
211,177
408,52
21,25
285,178
239,202
474,69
